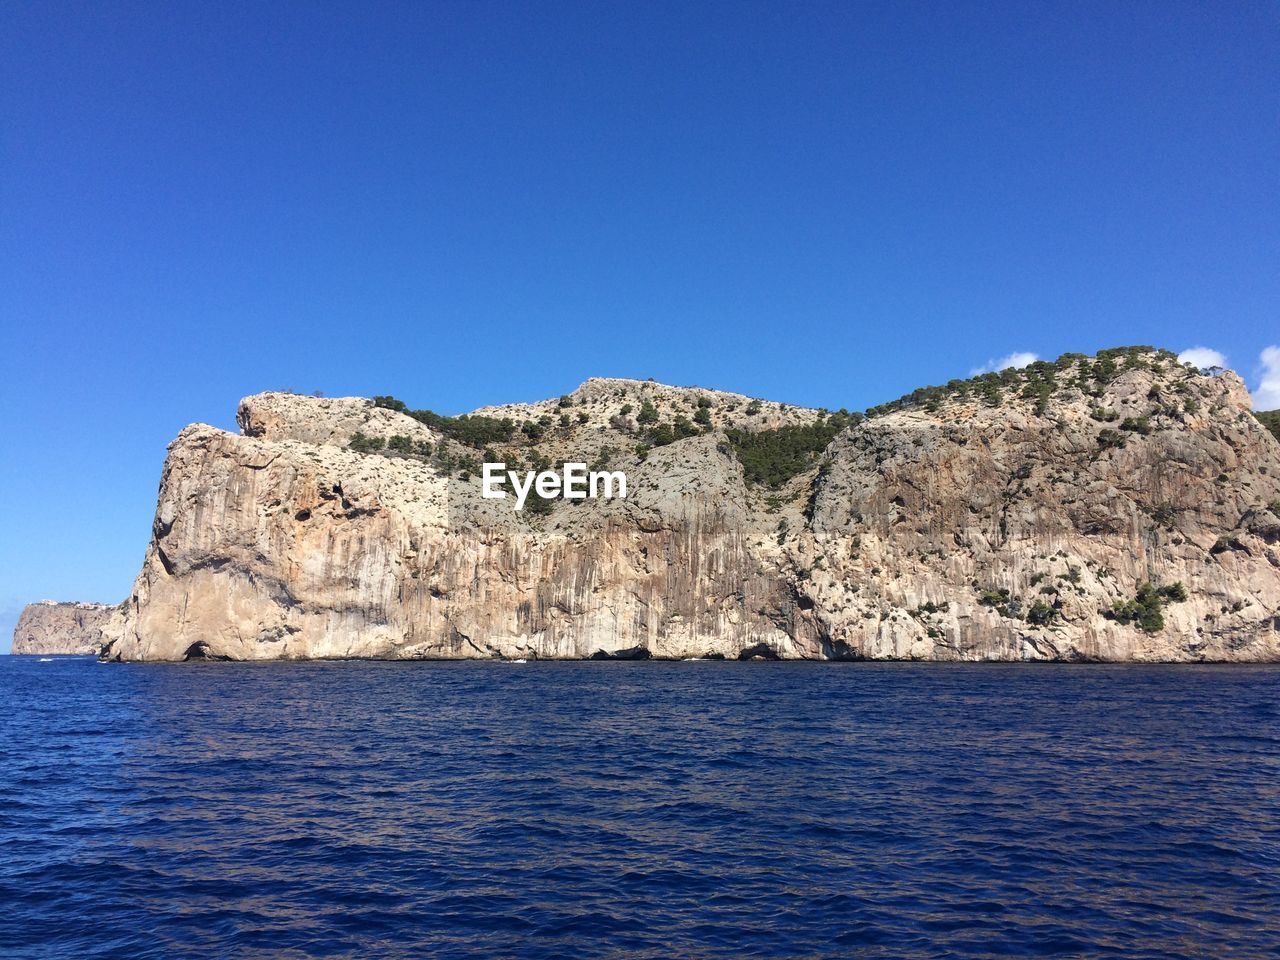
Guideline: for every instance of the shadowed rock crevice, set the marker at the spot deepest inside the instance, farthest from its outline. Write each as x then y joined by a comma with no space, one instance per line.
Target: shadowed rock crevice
632,653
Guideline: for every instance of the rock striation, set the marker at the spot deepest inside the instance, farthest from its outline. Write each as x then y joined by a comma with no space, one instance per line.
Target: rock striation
49,628
1117,508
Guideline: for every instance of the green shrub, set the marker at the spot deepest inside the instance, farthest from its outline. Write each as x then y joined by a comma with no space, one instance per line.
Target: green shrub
999,600
1146,609
603,459
362,444
665,433
1039,381
1109,439
1271,420
1041,614
772,457
474,431
648,413
539,506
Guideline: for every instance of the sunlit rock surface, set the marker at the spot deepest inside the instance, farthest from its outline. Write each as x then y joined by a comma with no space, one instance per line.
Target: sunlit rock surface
50,628
283,542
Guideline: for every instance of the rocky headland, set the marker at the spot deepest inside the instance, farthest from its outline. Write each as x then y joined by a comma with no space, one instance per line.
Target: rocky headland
49,628
1121,507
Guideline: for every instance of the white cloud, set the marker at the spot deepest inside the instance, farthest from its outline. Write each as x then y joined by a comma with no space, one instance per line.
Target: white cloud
1267,396
1020,359
1202,357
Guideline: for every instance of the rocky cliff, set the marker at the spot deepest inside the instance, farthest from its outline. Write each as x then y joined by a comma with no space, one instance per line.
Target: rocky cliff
48,628
1121,507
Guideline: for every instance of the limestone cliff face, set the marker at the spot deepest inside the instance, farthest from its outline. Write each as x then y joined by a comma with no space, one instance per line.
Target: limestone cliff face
267,549
921,514
954,530
48,628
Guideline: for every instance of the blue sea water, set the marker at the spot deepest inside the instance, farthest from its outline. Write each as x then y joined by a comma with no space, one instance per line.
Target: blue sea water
692,810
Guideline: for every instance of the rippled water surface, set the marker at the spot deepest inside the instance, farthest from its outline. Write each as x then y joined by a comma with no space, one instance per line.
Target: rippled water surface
637,810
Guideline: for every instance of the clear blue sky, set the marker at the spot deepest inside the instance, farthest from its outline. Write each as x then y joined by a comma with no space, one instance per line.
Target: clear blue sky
477,202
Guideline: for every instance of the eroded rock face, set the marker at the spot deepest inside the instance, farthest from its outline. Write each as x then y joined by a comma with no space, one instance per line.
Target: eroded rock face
322,420
50,629
929,512
285,543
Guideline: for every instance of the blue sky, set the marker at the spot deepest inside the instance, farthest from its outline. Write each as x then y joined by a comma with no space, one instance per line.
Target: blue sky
469,203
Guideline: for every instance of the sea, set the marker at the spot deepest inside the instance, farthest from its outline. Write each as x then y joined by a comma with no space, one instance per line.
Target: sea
637,810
